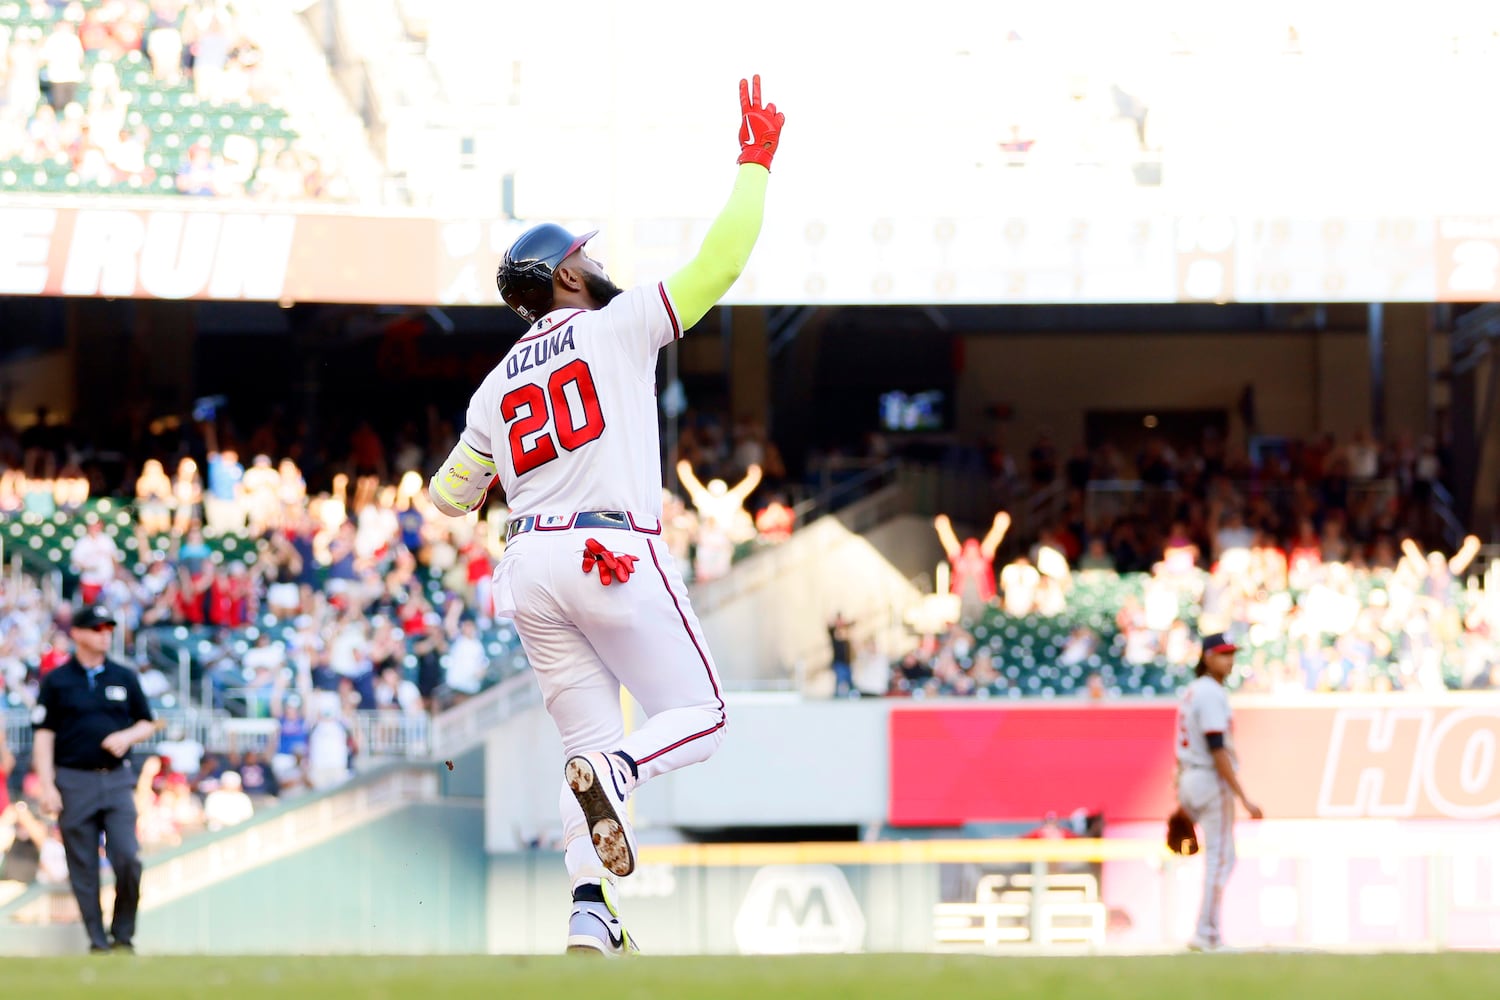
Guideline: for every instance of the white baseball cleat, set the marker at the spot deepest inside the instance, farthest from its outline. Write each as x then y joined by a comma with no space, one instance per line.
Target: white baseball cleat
1199,943
601,783
594,929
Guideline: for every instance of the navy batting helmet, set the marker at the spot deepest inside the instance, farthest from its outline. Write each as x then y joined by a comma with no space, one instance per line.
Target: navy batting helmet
525,274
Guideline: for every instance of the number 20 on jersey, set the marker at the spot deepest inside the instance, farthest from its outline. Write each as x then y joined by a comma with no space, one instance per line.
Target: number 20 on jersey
542,419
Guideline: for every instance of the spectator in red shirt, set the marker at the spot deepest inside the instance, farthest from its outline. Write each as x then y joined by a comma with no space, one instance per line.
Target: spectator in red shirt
1306,552
775,520
191,591
367,453
54,655
477,558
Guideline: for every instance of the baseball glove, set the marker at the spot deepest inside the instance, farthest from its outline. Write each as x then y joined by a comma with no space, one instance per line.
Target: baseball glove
1182,838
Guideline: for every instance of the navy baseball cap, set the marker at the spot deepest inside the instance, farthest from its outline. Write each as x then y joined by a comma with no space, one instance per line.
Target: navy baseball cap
94,616
1217,642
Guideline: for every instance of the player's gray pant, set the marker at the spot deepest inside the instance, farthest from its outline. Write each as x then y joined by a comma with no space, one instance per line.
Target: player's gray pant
1211,804
95,803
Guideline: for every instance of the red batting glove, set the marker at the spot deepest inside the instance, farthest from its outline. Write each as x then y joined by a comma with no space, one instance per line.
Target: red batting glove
760,127
614,567
591,550
623,567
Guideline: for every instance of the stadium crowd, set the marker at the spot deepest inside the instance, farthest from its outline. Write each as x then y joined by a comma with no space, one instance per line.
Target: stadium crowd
162,97
1324,560
306,610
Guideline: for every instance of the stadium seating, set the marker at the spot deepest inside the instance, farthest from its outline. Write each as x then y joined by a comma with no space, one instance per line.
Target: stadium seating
207,647
1026,648
173,114
44,540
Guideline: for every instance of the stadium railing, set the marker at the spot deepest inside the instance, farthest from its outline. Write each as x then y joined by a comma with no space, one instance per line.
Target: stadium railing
383,735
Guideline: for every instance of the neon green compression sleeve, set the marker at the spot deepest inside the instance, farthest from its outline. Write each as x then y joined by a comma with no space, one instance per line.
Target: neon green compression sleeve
726,248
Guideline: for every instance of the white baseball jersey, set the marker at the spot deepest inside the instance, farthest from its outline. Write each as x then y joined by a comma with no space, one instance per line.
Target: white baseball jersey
1203,709
569,416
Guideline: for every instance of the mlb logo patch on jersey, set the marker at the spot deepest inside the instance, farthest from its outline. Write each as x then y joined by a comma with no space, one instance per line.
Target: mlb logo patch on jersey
554,521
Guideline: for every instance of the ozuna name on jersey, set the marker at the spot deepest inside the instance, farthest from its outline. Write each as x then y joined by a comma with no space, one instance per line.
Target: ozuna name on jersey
529,355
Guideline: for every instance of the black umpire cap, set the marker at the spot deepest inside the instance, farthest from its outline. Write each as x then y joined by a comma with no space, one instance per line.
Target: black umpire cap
95,616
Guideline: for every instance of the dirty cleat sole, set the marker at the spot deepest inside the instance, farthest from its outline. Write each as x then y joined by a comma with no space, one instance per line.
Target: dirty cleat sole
601,812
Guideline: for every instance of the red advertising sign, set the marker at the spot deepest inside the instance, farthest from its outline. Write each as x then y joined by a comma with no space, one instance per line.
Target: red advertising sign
1341,758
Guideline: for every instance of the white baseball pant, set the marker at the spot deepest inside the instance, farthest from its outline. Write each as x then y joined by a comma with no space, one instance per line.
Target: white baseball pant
1209,801
585,640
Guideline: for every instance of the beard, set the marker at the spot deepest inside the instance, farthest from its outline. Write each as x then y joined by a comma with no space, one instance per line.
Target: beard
600,288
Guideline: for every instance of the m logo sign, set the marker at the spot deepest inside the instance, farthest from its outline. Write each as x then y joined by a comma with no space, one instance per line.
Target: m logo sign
794,909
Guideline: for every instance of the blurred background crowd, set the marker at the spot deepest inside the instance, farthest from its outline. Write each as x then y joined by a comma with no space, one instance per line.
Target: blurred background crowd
1334,565
159,97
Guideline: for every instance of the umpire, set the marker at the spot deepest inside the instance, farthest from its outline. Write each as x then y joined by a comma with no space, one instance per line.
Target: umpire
90,712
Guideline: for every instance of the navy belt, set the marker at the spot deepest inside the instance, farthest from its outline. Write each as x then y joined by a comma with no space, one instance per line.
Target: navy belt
619,519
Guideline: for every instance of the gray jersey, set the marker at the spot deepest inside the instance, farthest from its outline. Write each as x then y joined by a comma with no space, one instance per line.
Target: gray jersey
1203,709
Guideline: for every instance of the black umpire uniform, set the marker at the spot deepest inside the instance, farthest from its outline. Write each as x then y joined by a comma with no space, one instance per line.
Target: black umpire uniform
83,706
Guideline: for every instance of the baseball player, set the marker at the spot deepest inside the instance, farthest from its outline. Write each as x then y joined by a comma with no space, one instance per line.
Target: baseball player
1207,786
567,422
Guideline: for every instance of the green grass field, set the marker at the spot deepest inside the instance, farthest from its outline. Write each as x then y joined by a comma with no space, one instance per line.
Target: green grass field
926,977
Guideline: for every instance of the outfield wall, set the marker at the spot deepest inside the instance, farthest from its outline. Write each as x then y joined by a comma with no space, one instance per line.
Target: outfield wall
1404,756
871,763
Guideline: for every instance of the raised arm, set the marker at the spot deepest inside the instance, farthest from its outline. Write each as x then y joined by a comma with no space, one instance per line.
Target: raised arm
946,536
695,490
746,486
998,528
1464,555
1413,556
727,244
